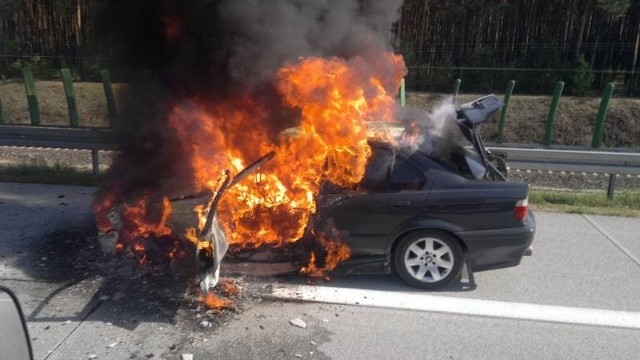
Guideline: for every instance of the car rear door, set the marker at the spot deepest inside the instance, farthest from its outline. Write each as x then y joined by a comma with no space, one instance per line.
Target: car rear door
394,189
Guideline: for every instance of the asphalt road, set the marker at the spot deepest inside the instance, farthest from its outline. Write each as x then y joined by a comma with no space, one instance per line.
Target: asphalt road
576,297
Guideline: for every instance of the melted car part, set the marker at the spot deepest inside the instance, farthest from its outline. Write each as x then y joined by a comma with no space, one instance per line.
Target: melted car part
209,257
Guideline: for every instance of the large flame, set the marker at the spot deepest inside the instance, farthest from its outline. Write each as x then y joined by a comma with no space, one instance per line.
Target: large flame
335,99
336,252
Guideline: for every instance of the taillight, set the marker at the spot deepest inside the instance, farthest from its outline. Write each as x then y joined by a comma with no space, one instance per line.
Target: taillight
520,211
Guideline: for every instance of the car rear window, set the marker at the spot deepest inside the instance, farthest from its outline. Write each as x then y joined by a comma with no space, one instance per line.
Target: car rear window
378,169
453,155
388,171
406,176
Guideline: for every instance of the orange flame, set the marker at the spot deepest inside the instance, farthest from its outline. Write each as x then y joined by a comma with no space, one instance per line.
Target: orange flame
336,252
212,301
140,224
137,224
273,206
101,208
229,289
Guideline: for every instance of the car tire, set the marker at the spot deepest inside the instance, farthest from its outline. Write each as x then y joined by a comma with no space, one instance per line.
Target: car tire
428,259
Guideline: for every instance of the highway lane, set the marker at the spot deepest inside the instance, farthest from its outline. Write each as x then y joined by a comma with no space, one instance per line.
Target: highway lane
576,297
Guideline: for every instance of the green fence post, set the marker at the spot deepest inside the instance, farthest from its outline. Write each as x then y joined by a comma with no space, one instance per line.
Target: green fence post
596,141
553,110
1,113
74,119
456,89
108,93
402,93
505,108
32,99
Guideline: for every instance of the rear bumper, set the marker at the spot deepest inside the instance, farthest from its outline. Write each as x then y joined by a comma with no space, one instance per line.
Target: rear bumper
498,248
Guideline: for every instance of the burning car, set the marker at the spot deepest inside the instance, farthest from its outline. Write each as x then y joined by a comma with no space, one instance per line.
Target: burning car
425,206
227,86
424,210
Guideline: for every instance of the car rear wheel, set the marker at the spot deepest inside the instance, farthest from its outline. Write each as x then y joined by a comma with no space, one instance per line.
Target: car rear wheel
428,259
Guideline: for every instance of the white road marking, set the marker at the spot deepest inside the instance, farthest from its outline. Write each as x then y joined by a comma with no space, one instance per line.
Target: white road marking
461,306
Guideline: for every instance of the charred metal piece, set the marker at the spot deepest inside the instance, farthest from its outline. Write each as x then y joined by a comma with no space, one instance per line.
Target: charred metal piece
209,257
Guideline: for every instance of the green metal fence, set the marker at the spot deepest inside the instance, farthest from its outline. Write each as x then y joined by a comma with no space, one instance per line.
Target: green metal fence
74,118
32,98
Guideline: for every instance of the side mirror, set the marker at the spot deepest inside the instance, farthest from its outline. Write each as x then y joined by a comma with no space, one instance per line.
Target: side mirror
14,336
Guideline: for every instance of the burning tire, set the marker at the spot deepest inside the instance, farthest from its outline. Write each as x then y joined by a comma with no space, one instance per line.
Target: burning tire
428,259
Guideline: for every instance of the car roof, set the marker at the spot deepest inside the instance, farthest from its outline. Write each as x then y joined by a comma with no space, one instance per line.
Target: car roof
437,156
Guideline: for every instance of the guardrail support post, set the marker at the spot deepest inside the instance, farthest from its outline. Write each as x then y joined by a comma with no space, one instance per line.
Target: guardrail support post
456,89
402,93
596,141
74,119
505,108
96,164
108,93
612,185
553,110
32,99
1,113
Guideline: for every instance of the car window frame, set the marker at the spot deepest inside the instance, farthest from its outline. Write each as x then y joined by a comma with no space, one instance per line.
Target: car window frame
427,181
426,177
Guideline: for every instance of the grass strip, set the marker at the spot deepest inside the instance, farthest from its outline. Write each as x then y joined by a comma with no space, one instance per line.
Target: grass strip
624,202
38,171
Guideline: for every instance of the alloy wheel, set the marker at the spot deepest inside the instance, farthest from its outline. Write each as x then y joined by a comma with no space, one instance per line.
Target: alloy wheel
428,260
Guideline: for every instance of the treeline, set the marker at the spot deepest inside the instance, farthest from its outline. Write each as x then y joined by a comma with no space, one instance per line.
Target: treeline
586,43
48,35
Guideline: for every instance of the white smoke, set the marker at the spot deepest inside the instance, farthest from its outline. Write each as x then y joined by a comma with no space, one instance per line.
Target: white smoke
442,116
422,126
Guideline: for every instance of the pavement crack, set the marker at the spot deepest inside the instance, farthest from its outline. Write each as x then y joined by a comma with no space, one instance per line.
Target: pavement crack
613,240
91,311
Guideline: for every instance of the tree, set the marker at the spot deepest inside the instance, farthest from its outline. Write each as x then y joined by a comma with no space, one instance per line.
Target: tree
581,83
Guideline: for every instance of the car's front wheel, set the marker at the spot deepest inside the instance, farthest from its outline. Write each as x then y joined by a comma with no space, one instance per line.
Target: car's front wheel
428,259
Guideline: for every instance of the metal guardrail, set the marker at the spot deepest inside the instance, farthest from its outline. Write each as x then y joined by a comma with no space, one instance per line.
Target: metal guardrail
519,156
60,137
573,159
591,161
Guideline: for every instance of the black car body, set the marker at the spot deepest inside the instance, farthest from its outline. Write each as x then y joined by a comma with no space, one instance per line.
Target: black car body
424,211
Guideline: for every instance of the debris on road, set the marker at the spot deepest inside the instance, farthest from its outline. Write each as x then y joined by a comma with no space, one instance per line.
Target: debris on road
205,323
108,242
298,322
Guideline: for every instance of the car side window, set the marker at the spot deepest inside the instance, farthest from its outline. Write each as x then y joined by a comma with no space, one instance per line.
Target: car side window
376,174
406,175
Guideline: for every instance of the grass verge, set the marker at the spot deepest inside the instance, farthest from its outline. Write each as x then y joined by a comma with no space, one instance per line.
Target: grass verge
38,171
624,202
